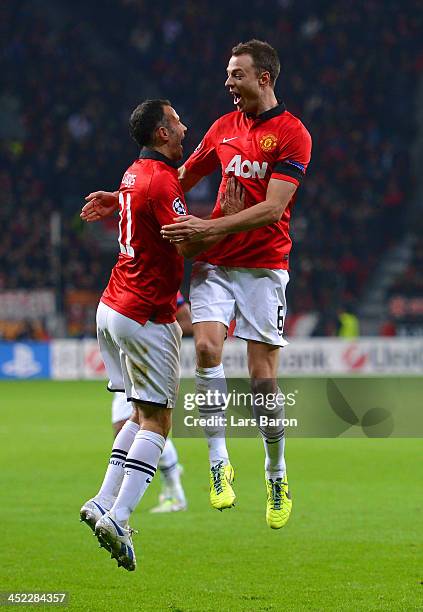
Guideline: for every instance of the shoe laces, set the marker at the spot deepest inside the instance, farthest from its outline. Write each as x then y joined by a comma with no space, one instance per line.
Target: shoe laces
217,473
277,492
130,531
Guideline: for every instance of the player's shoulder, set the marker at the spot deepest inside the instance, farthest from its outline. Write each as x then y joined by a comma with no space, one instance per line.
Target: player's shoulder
225,120
293,124
224,125
164,181
130,177
230,117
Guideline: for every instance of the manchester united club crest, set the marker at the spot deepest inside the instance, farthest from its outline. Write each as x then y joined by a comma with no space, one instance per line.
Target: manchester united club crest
268,143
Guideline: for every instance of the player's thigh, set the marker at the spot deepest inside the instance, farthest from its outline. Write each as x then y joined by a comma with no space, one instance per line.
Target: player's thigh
260,304
109,349
150,361
211,295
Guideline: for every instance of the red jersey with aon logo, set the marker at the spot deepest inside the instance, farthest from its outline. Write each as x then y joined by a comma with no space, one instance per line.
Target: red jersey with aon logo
274,144
145,280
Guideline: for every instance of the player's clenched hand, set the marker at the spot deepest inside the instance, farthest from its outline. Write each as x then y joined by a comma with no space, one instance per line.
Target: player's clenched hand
233,199
187,227
100,204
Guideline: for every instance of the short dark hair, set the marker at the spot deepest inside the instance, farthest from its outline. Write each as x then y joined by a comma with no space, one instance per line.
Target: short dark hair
265,57
145,119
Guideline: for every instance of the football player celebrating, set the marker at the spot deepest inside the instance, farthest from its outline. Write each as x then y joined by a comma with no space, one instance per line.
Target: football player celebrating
268,150
137,331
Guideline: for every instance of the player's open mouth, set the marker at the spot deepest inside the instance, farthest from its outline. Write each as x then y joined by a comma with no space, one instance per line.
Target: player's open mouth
237,98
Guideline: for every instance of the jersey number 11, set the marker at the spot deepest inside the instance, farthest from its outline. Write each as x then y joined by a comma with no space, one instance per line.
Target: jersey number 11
125,225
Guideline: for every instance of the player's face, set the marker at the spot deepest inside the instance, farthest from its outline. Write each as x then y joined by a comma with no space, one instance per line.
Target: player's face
176,132
243,83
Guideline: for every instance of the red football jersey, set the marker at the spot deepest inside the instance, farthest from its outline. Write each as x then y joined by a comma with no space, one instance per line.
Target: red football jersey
145,281
276,145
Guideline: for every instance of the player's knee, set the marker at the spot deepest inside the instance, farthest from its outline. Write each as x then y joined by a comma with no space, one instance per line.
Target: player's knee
117,426
262,385
209,352
165,429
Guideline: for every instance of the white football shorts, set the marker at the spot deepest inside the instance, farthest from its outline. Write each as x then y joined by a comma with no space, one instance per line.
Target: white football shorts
254,297
140,360
121,408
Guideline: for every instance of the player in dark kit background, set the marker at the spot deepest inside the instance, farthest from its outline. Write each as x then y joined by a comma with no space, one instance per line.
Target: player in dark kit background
267,150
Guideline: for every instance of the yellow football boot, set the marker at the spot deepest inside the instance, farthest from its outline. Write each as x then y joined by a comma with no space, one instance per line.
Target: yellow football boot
221,492
279,503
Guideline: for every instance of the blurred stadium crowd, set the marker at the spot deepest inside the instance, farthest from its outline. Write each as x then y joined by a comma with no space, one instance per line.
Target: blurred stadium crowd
405,296
72,72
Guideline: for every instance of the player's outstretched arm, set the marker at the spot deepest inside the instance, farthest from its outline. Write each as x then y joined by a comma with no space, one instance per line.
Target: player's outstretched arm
100,204
231,202
190,249
279,193
188,179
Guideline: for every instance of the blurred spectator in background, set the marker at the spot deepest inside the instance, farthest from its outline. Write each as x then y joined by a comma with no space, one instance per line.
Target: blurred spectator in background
405,296
348,324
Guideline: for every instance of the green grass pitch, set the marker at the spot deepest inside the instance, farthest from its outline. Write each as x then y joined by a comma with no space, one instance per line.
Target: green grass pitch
354,541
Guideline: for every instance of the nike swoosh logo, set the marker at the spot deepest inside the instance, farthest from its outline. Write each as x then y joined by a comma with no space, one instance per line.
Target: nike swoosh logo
118,529
229,139
99,507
